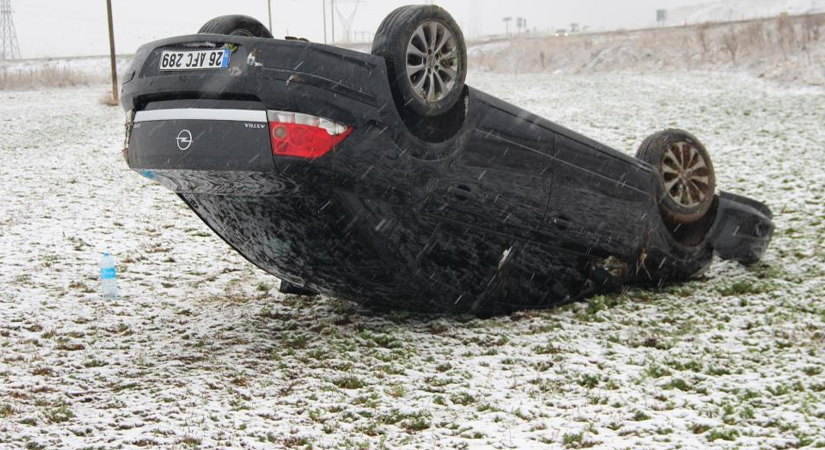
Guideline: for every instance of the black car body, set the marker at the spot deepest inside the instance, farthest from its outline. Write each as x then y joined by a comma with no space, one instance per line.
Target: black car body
490,208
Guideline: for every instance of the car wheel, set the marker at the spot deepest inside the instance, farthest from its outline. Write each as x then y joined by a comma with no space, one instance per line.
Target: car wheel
236,25
426,58
289,288
684,173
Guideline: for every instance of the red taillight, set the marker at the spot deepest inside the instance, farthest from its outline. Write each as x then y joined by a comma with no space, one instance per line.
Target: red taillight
304,136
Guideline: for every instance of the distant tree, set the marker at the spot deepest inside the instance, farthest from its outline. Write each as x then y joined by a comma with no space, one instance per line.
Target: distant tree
704,40
811,29
787,35
687,47
755,34
731,41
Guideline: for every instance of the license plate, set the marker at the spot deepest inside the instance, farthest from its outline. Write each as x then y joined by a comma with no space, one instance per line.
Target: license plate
194,59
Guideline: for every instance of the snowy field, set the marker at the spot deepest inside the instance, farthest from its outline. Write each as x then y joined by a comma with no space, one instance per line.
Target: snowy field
727,10
201,352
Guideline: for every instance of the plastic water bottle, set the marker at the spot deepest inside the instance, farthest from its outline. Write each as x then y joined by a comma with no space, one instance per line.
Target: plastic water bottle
108,277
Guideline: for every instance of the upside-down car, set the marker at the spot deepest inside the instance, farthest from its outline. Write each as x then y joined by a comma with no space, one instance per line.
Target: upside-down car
383,178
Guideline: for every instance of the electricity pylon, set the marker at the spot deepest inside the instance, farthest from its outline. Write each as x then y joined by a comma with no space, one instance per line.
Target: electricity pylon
9,47
346,20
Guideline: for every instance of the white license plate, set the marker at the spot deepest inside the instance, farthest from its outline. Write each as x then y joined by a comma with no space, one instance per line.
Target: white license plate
194,59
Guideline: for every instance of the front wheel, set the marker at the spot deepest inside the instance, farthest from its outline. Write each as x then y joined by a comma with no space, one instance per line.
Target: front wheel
685,178
426,58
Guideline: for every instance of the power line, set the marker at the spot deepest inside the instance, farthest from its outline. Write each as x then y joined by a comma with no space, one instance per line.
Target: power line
9,46
475,18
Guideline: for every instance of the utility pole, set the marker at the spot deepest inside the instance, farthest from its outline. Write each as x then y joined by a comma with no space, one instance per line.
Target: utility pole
332,5
324,9
269,9
475,14
9,47
112,56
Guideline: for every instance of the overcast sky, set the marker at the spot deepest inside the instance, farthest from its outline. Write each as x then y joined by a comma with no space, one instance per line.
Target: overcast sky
78,27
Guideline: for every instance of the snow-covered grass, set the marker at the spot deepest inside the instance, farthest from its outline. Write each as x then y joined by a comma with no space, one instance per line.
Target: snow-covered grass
201,352
786,49
29,74
727,10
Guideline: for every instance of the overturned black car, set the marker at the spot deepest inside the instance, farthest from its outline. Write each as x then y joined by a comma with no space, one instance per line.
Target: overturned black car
382,178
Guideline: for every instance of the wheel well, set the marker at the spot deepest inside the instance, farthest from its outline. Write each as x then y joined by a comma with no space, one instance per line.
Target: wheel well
435,130
692,234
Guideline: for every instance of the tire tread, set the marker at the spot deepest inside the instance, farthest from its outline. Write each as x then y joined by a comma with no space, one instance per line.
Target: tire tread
651,151
228,24
388,42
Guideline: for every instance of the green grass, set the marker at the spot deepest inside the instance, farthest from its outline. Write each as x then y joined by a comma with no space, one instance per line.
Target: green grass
382,340
640,416
600,303
462,398
657,371
412,421
744,287
724,434
546,349
589,381
89,363
415,424
700,428
297,341
678,383
573,439
191,441
812,370
349,382
444,367
59,414
397,390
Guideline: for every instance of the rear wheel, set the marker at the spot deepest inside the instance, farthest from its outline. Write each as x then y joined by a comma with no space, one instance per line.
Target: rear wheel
426,58
236,25
685,177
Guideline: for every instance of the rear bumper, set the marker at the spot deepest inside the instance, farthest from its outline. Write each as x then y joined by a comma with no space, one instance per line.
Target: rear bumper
233,156
201,139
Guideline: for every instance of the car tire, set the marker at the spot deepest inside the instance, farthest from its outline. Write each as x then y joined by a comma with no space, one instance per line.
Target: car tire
426,58
288,288
236,25
685,179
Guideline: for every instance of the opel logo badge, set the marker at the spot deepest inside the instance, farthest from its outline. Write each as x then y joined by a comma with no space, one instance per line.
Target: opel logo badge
184,140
